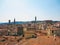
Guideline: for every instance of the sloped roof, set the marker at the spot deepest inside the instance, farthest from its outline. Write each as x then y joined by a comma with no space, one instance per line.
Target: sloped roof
55,28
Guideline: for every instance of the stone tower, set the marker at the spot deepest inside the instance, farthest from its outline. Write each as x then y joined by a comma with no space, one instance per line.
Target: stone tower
35,19
14,21
9,21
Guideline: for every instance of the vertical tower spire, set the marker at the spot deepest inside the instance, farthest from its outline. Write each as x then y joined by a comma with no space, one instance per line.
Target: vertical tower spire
35,19
9,21
35,22
14,20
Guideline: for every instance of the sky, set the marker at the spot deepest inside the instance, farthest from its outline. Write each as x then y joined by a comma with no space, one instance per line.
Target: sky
26,10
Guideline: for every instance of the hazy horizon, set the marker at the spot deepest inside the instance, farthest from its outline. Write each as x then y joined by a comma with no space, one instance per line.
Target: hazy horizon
26,10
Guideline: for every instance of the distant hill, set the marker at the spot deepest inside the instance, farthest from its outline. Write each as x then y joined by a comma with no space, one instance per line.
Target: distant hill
15,22
26,22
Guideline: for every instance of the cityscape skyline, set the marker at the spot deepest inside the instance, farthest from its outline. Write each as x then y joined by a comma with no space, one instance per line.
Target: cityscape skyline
26,10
